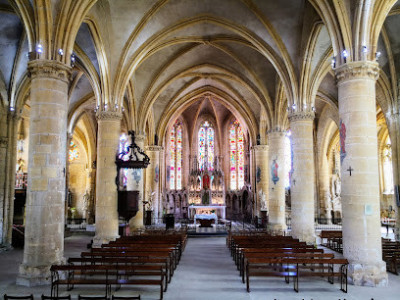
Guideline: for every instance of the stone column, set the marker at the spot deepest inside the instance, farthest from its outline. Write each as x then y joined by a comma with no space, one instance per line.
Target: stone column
262,177
44,230
360,190
108,131
278,172
302,185
137,221
3,183
394,131
153,178
324,192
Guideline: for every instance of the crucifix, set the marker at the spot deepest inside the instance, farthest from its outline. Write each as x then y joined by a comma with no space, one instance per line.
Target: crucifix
350,169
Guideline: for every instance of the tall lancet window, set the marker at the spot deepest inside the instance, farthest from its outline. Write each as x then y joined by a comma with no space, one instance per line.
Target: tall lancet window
387,167
236,156
206,137
175,178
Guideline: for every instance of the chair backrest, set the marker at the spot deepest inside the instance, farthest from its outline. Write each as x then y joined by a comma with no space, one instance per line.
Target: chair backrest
7,297
80,297
125,297
56,298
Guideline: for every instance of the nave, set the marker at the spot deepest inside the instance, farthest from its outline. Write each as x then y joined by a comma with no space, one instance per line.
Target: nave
206,271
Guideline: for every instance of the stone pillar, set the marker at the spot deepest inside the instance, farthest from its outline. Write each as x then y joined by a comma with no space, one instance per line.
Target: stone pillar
153,178
302,185
359,155
394,131
262,177
44,230
3,182
108,131
137,221
278,172
324,193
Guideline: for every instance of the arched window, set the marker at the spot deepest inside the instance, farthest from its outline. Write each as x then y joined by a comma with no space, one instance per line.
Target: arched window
206,137
387,167
236,156
175,178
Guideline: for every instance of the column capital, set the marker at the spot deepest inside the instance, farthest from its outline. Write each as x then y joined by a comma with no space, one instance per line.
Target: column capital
277,132
140,137
49,69
153,148
261,147
301,116
108,116
357,69
3,142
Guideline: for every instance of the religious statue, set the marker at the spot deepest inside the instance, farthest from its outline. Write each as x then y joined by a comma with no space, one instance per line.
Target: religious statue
263,200
206,182
85,205
336,185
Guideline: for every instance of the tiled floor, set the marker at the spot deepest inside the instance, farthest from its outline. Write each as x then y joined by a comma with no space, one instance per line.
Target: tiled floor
206,272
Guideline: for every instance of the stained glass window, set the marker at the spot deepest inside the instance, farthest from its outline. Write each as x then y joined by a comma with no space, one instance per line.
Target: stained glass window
206,145
176,148
236,155
232,150
73,153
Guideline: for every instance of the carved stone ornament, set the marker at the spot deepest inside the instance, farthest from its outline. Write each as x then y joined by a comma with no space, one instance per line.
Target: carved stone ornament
301,116
277,131
108,115
50,69
154,148
261,147
3,142
358,69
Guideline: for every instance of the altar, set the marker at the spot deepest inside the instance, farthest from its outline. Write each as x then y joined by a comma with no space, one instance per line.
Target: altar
217,210
206,219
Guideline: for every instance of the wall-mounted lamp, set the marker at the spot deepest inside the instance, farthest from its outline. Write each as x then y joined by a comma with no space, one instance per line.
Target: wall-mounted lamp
61,52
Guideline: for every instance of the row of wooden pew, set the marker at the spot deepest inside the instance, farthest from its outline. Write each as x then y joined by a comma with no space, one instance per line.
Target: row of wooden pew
262,255
390,249
130,260
391,255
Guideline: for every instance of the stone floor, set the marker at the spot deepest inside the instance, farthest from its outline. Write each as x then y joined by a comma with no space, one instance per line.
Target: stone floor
206,272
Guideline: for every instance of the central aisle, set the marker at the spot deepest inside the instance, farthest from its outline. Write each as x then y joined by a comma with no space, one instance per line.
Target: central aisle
206,271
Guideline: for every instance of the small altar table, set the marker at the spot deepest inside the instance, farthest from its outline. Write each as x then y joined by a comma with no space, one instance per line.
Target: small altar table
205,219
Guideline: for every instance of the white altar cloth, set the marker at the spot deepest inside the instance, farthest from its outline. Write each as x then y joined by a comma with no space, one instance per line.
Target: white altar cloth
206,217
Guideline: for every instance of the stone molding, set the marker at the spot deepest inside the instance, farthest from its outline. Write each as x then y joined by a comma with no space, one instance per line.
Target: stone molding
3,142
49,69
153,148
275,132
301,116
108,116
357,69
140,137
260,147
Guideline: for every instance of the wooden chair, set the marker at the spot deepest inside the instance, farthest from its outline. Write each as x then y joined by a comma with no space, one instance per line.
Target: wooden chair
7,297
56,297
125,297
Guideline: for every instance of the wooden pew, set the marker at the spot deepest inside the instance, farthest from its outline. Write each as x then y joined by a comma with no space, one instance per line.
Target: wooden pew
297,267
333,238
106,275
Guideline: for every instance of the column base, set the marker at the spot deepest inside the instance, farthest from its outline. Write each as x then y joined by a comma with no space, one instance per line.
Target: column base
99,240
305,236
34,276
276,229
368,275
136,222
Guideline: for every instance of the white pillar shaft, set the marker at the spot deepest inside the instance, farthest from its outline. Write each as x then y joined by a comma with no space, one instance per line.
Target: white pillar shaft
278,172
302,186
360,190
44,230
262,177
109,127
153,177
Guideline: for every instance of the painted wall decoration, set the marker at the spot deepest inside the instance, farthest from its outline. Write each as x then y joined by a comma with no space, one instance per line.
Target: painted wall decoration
137,175
274,171
156,173
342,131
258,174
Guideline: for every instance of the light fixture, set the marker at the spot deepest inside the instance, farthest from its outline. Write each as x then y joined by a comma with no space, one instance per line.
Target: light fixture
313,109
105,106
294,106
12,108
378,54
364,49
39,48
333,63
288,133
72,60
61,52
345,54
